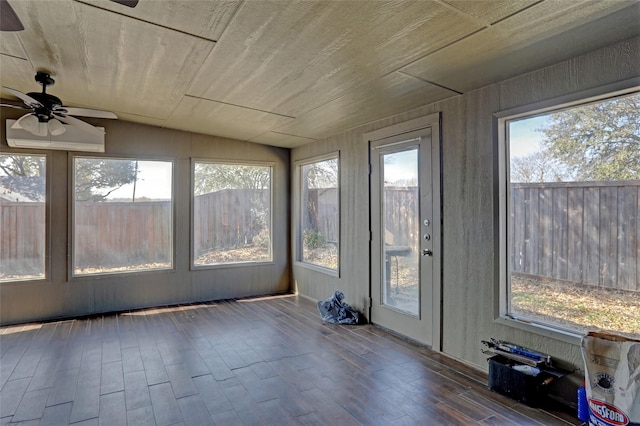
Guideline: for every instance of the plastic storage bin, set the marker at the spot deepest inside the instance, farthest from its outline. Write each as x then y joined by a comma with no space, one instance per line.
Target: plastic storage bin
505,380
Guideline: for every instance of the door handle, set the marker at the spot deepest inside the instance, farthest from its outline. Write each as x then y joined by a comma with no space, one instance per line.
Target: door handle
427,252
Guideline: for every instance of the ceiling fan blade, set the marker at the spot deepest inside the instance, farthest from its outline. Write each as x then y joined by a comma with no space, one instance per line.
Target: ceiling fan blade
15,106
9,21
25,98
79,124
129,3
85,112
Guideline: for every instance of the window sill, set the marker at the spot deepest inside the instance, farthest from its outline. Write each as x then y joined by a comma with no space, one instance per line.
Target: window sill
535,328
317,268
119,274
25,281
239,264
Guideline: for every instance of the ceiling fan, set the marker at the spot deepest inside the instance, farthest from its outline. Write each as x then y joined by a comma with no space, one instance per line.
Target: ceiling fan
48,114
9,20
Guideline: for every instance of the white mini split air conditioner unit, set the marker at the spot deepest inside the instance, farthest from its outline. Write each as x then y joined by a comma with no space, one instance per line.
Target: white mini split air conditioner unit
73,139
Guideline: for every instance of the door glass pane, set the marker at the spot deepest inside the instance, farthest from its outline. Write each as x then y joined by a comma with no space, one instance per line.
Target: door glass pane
401,231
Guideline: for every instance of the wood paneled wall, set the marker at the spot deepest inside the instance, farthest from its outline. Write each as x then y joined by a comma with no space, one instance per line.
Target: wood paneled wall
64,296
469,157
470,197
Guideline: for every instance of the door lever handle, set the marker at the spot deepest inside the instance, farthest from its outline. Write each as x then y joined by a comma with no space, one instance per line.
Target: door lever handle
427,252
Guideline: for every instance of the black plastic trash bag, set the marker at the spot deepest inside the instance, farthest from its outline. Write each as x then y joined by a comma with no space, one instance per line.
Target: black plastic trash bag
335,311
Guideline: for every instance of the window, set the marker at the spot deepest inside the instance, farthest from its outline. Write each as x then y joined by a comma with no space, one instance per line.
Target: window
22,217
572,228
122,215
318,230
231,213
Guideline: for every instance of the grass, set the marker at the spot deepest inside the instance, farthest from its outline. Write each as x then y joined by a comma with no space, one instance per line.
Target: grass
253,253
326,256
570,305
576,306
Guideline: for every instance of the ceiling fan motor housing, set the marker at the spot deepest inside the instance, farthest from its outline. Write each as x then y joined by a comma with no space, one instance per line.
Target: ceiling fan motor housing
48,103
44,79
48,114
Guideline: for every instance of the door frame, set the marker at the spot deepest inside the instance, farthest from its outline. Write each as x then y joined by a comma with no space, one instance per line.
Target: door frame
432,121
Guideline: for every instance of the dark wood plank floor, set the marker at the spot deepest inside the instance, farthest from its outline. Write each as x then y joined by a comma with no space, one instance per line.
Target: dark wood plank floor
259,361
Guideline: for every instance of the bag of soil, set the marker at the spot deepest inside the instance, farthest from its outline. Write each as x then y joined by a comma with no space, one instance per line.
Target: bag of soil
612,365
335,311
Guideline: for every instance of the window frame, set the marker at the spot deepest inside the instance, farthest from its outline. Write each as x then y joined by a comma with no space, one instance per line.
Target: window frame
71,275
297,214
47,217
501,203
230,162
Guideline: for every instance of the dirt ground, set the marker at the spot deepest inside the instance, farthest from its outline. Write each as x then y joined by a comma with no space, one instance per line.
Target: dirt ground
326,256
583,307
244,254
576,306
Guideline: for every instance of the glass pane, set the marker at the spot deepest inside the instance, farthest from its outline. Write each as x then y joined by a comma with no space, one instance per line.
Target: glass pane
122,215
22,217
401,230
320,214
231,213
574,209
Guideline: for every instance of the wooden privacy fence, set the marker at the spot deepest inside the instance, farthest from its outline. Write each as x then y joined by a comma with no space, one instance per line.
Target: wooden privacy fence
229,218
401,217
22,235
113,234
582,232
322,212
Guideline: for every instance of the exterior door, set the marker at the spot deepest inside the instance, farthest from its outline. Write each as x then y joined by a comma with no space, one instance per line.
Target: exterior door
405,232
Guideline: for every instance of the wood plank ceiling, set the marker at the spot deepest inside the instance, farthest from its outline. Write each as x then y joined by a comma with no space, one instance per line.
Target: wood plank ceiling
286,73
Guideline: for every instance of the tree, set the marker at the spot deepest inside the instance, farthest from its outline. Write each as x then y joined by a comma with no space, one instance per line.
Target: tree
211,177
323,174
24,174
316,176
538,167
256,179
96,178
598,141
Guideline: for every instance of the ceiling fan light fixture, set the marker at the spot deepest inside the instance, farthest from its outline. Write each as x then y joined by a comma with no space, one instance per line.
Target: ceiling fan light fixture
42,129
56,128
30,123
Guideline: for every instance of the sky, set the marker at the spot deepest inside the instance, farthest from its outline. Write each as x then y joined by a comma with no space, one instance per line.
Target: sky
523,138
154,182
154,177
401,168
